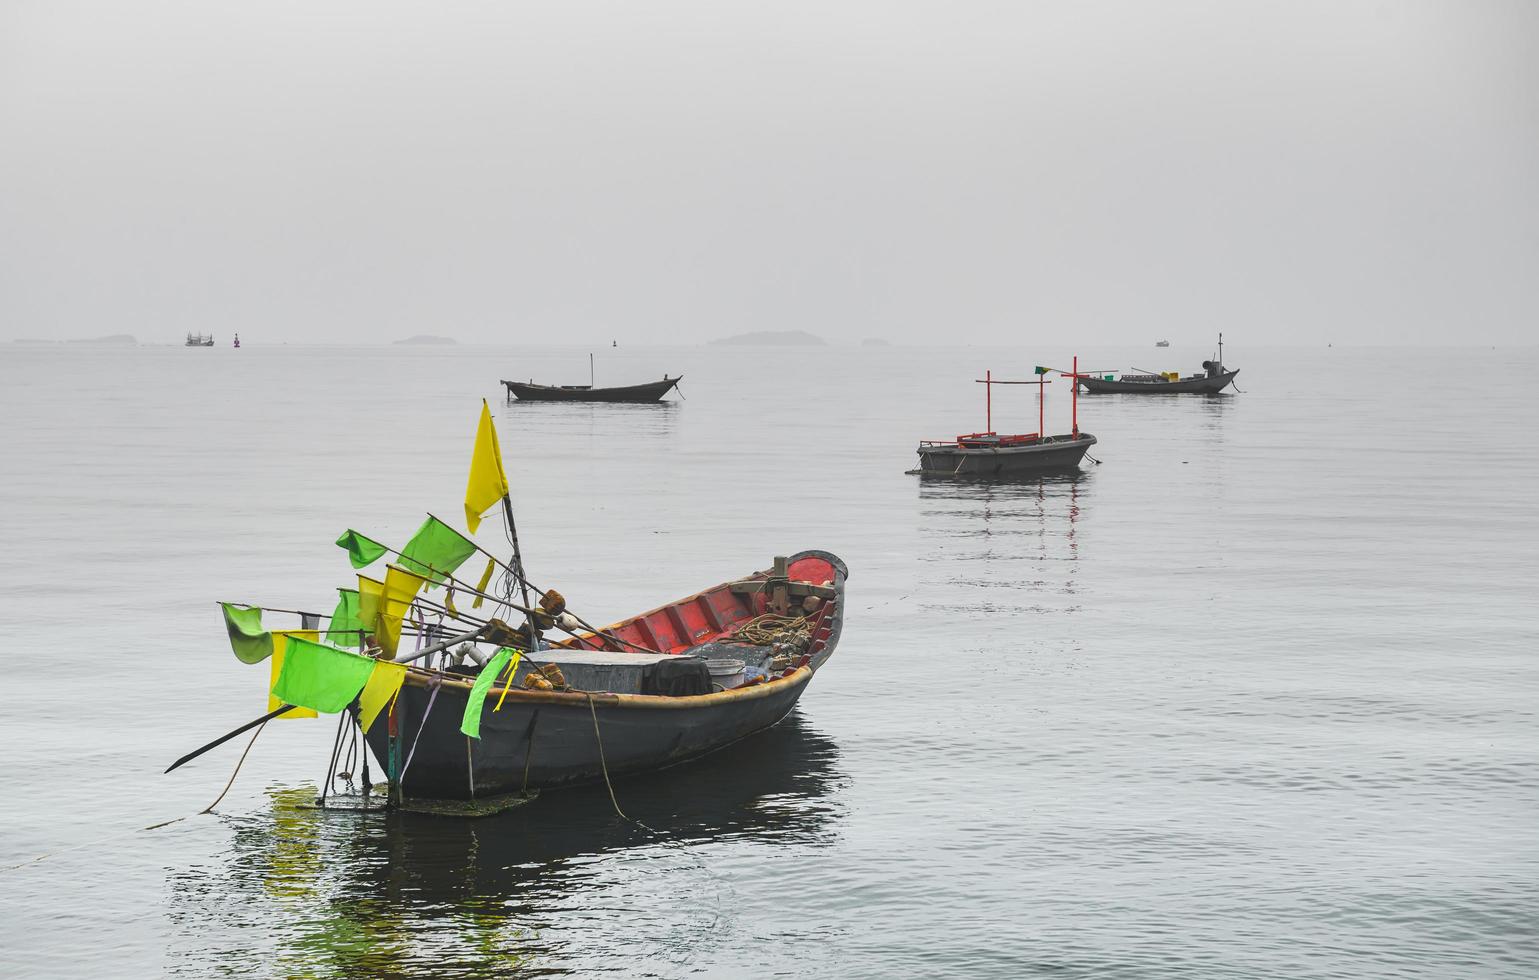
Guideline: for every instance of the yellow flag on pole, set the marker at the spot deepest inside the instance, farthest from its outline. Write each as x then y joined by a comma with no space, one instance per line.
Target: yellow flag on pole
486,578
371,595
400,588
384,684
280,646
487,484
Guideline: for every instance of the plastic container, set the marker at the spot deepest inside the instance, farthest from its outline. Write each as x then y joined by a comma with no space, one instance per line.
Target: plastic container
727,673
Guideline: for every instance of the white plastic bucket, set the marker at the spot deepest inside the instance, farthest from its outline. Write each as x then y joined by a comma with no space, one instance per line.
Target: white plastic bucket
726,674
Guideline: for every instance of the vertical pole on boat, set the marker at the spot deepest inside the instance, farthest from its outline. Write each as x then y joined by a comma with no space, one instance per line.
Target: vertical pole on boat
518,566
988,401
393,754
1041,412
1075,382
590,380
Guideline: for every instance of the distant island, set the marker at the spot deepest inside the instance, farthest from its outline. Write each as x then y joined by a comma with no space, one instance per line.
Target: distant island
116,338
875,342
772,338
427,338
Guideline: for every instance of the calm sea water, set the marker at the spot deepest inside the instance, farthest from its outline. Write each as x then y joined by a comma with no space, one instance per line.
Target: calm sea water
1255,696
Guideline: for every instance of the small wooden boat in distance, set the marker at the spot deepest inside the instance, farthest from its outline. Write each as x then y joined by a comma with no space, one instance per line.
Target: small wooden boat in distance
652,391
1214,379
989,454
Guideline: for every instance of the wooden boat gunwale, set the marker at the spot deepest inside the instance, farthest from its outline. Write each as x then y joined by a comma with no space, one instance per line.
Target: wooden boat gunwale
419,677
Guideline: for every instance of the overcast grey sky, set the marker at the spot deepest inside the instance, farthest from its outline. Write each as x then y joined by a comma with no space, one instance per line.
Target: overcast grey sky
669,172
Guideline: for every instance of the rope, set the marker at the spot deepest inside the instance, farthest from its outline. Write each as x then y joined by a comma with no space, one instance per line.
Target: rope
401,779
769,629
210,807
604,765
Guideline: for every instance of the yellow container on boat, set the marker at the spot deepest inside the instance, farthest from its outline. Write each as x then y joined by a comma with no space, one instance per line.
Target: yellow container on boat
1172,375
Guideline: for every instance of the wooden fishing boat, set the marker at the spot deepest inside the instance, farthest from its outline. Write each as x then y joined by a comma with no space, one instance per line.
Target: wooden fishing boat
652,391
989,454
1210,383
1213,379
658,710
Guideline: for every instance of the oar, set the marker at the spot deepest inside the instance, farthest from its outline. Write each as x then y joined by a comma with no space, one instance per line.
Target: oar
248,726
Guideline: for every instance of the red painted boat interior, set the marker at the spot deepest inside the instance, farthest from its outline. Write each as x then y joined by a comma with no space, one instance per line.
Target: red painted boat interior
715,613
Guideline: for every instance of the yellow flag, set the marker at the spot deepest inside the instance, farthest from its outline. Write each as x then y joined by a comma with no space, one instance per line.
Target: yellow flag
486,577
511,672
384,684
400,588
280,646
487,484
371,593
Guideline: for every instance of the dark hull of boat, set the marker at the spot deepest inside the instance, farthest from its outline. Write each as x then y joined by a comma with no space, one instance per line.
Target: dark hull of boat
650,392
1192,386
553,735
1006,461
542,739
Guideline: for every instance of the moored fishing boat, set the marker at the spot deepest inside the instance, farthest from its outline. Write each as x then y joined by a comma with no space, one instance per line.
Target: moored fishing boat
1213,379
615,710
990,454
456,704
651,391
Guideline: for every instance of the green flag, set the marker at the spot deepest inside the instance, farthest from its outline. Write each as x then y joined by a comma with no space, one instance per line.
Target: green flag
252,644
361,551
471,723
436,544
320,677
344,620
1041,370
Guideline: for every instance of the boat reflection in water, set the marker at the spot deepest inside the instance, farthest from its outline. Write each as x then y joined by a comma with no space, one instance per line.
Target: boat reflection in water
1001,548
548,887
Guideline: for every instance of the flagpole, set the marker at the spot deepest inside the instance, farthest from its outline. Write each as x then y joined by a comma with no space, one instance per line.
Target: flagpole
518,563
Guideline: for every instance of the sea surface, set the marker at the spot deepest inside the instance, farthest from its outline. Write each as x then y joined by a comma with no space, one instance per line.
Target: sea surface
1256,695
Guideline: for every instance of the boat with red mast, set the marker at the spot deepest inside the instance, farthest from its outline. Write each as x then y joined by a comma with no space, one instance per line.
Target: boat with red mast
992,454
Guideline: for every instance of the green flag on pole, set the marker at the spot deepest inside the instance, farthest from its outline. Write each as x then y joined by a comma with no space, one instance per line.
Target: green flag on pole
471,723
252,644
438,545
1041,370
320,677
344,620
361,550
